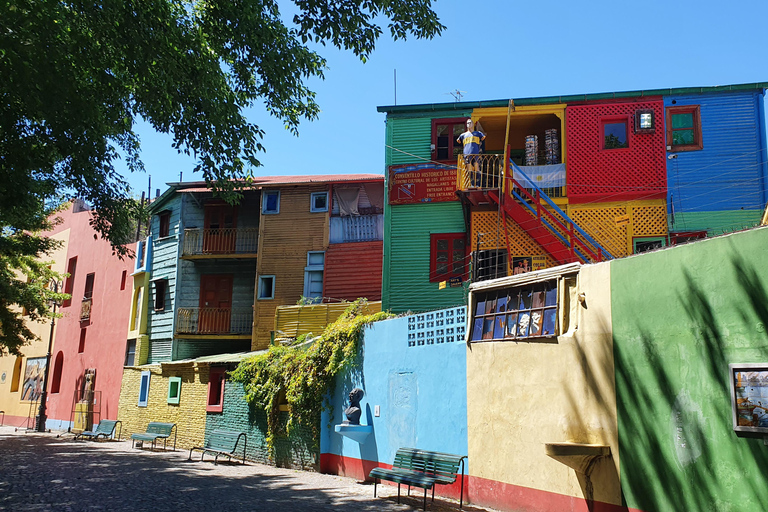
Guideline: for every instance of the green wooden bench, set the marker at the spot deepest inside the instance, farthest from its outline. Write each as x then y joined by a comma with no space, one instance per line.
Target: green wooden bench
105,428
221,442
422,468
156,430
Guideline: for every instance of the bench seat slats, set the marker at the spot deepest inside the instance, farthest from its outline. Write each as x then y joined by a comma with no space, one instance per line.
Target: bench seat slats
222,442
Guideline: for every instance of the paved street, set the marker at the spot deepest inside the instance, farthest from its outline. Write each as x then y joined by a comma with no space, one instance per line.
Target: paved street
41,472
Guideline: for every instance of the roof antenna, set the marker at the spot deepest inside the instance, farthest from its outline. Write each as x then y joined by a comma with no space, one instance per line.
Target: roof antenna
457,94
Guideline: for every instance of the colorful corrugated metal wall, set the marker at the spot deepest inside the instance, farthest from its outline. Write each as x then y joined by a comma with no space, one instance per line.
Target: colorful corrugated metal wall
728,175
596,174
293,321
353,270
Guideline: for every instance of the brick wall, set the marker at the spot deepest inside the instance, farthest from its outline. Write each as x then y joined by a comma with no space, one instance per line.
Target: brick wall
238,415
189,414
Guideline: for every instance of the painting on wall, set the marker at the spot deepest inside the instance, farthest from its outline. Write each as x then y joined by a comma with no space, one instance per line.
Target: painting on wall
749,397
33,379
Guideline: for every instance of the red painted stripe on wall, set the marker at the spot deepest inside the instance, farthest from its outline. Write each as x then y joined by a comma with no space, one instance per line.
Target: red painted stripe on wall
353,270
480,491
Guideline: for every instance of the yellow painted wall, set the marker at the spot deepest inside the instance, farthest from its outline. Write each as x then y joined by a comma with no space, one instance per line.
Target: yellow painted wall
293,321
284,240
523,395
189,414
10,402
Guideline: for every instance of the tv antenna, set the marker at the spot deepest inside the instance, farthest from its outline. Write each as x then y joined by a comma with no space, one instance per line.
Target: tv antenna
457,94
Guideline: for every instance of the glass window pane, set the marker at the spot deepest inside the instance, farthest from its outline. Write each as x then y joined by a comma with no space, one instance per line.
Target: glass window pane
480,309
442,130
441,257
522,324
442,268
490,304
458,129
535,327
682,137
551,295
442,244
501,304
548,329
538,296
682,120
511,325
498,329
458,255
526,297
488,328
615,135
477,330
458,244
514,300
458,267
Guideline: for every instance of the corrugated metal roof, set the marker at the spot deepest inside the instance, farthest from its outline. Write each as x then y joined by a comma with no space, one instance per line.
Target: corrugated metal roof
267,181
463,105
217,358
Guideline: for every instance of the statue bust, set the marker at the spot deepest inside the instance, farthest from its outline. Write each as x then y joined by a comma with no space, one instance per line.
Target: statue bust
353,411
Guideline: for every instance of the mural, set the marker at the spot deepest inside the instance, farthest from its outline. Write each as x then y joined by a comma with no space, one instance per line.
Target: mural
33,379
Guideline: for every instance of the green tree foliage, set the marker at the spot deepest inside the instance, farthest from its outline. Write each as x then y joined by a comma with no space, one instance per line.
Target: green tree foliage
77,75
304,375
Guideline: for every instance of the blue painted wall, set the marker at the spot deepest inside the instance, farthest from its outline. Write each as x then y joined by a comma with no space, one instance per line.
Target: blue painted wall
421,391
729,173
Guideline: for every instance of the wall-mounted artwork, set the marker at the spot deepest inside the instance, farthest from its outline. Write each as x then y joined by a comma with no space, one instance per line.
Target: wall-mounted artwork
33,379
749,397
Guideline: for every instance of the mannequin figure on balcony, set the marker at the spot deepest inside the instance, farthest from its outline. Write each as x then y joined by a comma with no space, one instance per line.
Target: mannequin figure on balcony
472,139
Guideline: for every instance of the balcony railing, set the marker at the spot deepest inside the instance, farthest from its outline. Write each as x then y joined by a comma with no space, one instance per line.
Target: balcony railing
222,241
234,321
485,171
356,228
85,309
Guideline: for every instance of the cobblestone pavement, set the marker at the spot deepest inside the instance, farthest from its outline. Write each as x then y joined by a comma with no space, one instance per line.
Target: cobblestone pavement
41,472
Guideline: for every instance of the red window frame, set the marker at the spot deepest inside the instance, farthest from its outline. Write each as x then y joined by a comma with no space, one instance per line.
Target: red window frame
451,140
434,276
216,380
615,120
697,141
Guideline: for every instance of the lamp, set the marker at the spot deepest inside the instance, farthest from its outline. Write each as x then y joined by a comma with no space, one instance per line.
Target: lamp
54,285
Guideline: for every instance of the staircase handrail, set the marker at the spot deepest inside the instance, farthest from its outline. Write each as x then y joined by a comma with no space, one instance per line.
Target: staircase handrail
600,250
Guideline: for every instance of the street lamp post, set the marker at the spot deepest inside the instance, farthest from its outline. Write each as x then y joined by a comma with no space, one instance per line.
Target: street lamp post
44,396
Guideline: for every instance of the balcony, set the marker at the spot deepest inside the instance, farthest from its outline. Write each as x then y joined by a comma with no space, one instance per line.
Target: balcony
485,172
356,228
220,243
228,322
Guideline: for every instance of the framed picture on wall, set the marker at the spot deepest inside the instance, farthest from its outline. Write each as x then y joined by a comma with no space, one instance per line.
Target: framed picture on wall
749,397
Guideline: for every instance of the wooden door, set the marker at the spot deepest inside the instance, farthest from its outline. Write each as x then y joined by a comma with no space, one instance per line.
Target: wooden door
220,234
215,303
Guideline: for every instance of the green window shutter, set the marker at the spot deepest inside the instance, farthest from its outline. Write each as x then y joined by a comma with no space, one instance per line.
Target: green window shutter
174,390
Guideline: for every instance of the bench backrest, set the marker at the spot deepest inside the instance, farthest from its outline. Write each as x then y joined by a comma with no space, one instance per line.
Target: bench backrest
443,465
223,440
163,429
106,427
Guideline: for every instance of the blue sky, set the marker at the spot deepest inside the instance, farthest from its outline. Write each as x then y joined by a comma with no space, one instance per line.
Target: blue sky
497,49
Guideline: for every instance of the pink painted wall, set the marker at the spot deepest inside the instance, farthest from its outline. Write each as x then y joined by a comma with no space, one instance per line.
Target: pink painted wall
105,332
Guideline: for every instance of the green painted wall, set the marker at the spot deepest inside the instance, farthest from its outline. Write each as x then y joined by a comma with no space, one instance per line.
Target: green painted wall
715,223
680,316
406,265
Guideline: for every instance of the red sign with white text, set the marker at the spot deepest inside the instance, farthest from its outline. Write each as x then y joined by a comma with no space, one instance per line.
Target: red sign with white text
424,183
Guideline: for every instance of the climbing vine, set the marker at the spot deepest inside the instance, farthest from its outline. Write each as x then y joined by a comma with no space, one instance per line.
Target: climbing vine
302,374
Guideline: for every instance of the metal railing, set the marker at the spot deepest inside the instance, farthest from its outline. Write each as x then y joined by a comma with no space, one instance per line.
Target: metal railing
356,228
214,320
198,242
484,171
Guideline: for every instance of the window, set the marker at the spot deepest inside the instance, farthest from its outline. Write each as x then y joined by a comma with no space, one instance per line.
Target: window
136,308
447,256
313,276
16,378
88,293
684,128
81,345
216,390
174,390
164,218
318,202
650,243
122,280
490,264
614,133
645,121
521,312
270,202
161,286
69,284
144,388
266,287
58,366
444,135
683,237
130,353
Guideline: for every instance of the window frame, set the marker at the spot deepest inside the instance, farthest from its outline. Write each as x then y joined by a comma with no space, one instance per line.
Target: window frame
264,196
128,352
309,270
220,374
260,287
174,400
312,197
434,277
146,375
452,140
164,224
158,302
698,143
636,239
615,120
69,283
